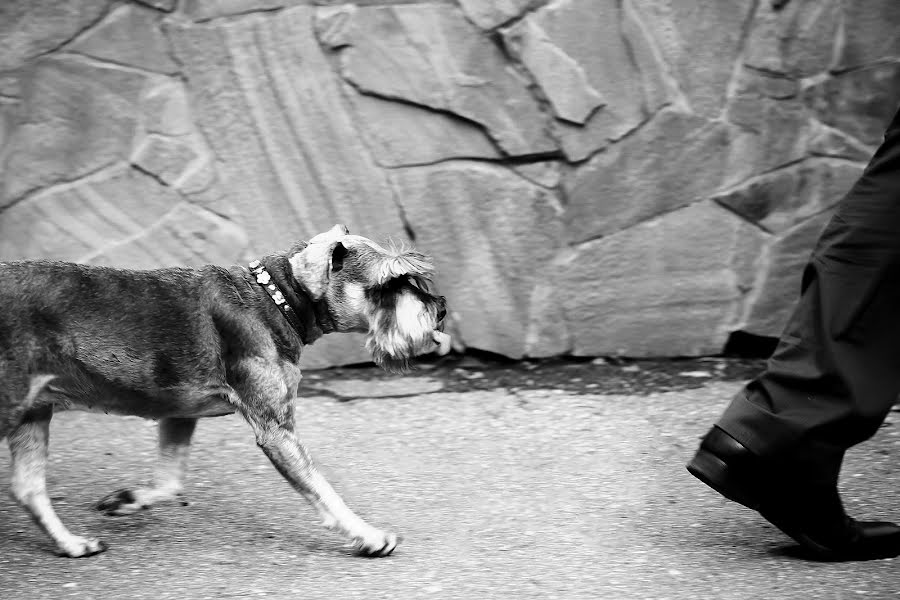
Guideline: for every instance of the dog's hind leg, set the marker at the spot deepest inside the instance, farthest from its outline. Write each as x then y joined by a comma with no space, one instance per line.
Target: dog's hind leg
174,447
28,444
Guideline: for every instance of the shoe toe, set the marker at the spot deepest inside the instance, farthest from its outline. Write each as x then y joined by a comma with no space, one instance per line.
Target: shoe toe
878,539
878,529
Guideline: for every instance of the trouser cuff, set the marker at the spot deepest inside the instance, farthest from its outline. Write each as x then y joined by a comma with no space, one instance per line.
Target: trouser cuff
780,441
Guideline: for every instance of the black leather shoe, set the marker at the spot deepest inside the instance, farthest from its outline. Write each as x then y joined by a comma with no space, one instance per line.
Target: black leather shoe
811,513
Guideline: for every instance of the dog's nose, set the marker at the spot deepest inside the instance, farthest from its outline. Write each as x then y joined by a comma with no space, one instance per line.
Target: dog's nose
442,310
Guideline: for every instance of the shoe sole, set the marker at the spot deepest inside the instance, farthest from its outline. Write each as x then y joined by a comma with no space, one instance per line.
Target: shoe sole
715,473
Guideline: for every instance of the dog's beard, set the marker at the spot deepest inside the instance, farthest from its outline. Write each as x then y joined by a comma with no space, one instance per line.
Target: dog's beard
400,333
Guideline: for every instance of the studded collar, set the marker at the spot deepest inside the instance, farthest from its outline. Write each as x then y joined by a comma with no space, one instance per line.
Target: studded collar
264,279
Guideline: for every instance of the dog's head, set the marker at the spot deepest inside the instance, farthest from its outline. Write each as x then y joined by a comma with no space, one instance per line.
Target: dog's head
385,292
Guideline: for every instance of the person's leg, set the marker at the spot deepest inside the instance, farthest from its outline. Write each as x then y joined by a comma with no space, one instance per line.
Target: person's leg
836,371
830,382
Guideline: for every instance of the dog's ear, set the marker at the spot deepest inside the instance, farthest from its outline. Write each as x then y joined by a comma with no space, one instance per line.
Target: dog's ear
313,265
403,262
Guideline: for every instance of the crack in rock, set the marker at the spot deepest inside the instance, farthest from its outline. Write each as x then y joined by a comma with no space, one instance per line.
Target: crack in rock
432,56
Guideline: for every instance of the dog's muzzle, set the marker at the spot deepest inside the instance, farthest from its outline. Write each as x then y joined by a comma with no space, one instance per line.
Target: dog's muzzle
440,338
443,341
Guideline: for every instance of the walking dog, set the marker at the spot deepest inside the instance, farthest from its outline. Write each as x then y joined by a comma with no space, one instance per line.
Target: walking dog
178,344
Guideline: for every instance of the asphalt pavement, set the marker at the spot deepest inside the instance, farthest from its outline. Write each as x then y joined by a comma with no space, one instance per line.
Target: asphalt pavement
551,480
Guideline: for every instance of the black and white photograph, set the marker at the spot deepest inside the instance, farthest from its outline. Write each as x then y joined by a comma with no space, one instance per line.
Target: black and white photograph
449,299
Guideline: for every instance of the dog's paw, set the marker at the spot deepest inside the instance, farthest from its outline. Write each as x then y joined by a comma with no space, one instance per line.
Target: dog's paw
376,543
119,503
78,547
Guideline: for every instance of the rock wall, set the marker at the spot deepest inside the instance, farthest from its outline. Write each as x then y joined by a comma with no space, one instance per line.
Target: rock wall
594,177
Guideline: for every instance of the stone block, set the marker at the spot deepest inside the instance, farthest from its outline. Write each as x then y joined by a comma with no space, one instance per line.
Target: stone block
334,350
860,103
798,40
185,236
674,160
777,86
545,173
782,199
607,42
700,41
561,78
673,286
549,327
766,134
827,141
778,289
165,109
80,220
870,33
30,28
287,148
76,119
166,158
129,35
402,134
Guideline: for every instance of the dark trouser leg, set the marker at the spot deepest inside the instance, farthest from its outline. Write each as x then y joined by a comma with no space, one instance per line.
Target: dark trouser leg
836,370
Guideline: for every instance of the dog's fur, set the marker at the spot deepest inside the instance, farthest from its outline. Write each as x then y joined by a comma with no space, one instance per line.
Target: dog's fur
178,344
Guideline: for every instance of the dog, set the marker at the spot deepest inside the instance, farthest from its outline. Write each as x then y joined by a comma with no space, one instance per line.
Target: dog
177,344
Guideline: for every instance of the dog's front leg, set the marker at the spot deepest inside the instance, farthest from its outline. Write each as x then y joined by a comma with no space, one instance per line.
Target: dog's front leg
168,477
28,448
293,461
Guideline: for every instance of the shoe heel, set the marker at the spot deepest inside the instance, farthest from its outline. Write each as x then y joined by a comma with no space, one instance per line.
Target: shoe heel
712,471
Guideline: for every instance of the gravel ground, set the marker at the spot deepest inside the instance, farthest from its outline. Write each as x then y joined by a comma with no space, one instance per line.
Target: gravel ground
544,480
